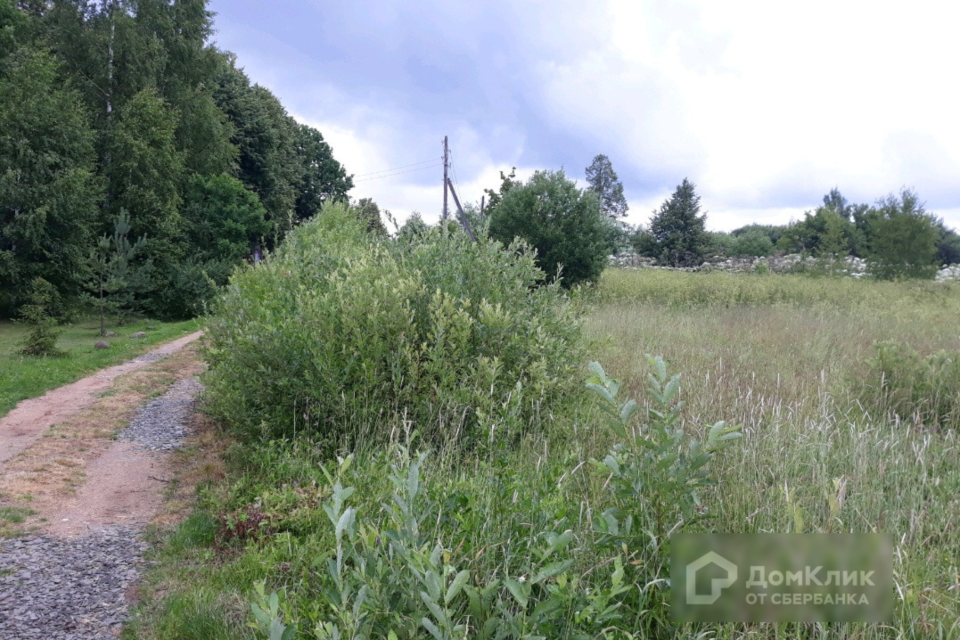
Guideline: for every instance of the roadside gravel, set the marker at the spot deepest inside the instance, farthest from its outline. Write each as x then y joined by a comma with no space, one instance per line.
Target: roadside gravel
159,424
78,588
68,589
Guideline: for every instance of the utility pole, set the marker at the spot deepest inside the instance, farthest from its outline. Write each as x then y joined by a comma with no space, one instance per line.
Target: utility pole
446,162
463,216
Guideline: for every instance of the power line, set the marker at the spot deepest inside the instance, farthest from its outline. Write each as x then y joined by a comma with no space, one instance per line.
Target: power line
390,175
395,168
455,178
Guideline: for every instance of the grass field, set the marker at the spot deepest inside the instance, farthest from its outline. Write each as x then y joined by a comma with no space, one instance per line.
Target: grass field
787,357
23,377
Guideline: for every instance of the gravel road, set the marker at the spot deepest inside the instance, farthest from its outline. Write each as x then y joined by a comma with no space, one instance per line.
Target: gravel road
78,588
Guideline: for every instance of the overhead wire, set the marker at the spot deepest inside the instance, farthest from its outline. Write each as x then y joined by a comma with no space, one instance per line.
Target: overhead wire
390,175
370,173
455,178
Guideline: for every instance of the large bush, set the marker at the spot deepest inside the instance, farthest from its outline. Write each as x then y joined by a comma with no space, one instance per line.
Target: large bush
345,337
564,224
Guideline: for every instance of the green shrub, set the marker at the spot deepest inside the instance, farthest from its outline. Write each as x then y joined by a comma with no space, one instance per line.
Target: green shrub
344,337
402,564
42,338
911,387
563,223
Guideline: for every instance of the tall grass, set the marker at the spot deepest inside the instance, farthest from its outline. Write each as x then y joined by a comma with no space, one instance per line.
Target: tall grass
783,356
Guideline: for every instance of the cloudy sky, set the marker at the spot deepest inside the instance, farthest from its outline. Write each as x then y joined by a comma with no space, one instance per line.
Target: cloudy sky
764,105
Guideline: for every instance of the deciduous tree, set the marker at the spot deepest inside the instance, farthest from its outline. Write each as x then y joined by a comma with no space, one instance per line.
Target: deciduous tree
563,223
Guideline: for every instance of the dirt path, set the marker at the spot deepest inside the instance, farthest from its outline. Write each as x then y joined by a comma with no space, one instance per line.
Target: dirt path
32,418
84,489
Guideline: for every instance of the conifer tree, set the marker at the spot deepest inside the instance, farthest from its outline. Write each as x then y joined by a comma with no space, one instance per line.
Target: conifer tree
679,229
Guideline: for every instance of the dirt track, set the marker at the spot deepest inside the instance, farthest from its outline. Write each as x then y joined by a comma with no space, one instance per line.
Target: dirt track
89,472
32,418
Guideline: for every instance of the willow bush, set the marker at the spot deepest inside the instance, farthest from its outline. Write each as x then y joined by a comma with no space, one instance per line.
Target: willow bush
345,338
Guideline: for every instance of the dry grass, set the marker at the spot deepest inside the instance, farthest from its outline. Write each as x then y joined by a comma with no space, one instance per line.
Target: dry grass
199,463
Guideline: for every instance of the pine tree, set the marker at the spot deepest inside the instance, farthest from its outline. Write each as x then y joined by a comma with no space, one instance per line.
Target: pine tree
604,182
678,228
109,263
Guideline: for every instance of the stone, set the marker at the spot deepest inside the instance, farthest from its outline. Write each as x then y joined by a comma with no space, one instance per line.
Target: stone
138,334
109,334
101,345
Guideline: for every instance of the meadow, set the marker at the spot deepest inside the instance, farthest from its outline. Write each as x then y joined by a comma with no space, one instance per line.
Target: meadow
23,377
531,537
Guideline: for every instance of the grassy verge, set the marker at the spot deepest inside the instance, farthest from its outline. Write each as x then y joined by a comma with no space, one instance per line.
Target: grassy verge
23,377
783,356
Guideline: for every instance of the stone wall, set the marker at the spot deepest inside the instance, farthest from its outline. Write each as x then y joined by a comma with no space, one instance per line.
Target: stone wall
790,263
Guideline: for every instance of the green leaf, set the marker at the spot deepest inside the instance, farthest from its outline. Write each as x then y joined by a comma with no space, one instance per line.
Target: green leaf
551,570
628,410
519,591
260,615
597,370
432,628
345,522
456,586
556,543
670,391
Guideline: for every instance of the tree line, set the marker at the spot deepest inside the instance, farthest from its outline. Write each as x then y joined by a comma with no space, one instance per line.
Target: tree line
575,230
896,236
138,163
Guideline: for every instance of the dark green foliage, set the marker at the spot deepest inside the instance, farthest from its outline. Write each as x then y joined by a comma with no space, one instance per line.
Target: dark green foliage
223,220
948,246
322,178
911,387
42,339
752,243
824,232
109,288
48,190
903,239
772,231
563,224
267,138
368,212
126,105
13,27
679,230
342,337
507,182
644,243
145,169
606,185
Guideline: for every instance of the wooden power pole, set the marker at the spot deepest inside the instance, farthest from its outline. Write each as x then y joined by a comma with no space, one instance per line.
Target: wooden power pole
446,162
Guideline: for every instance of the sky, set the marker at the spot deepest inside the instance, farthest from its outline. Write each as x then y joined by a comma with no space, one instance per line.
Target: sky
765,106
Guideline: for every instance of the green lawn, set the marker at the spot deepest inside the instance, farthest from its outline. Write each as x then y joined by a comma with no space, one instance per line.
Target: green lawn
23,377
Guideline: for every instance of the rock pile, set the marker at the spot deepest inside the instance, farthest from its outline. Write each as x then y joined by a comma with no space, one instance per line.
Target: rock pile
791,263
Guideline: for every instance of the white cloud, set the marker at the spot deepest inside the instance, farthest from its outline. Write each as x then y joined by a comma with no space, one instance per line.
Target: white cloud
765,106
